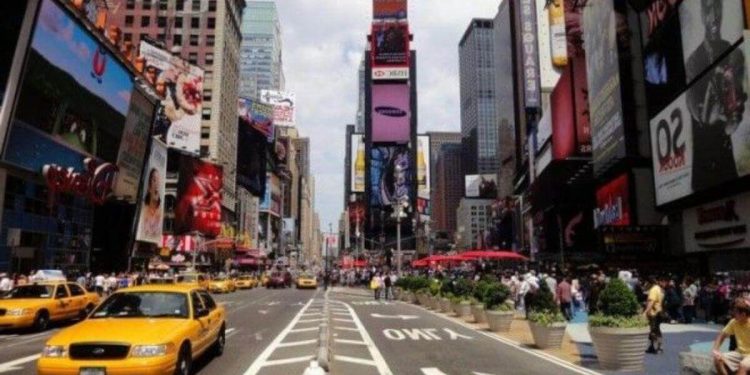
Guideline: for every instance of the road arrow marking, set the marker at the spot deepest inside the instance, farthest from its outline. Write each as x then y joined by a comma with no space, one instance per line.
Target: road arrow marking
258,336
274,303
14,365
454,335
402,317
480,373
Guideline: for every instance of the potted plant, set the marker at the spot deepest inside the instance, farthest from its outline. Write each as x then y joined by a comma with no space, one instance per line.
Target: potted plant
477,306
462,289
421,286
546,322
618,331
446,293
498,310
435,294
399,287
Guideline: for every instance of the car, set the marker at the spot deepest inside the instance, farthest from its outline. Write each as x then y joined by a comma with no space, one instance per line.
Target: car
264,279
144,330
36,305
306,280
246,282
193,278
221,284
276,280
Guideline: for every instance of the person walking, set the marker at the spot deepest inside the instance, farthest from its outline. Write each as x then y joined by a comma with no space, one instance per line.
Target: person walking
5,283
99,282
689,294
376,284
564,297
388,284
737,360
654,313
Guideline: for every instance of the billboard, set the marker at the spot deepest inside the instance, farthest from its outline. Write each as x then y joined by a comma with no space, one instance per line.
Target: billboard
391,176
563,119
357,162
390,45
180,85
713,110
133,146
720,225
283,102
613,203
423,167
252,145
199,197
151,203
482,186
603,74
391,113
525,14
389,9
271,202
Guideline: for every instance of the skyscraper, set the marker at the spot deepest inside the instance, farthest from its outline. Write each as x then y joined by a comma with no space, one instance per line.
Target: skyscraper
504,99
261,64
361,102
479,127
448,189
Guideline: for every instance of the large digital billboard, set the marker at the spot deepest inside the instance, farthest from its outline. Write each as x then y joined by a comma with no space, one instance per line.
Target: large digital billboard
133,146
151,218
271,202
180,85
603,74
389,9
357,162
283,102
391,113
199,197
482,186
252,145
391,175
390,45
423,166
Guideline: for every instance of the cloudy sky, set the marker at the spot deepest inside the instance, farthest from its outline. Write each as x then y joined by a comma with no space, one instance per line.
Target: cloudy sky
323,44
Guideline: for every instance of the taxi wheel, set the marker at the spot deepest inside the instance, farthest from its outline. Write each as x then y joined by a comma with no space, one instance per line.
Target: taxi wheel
184,362
41,321
220,343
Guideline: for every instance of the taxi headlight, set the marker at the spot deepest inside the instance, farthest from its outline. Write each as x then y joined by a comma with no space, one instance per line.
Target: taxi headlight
54,351
18,312
149,350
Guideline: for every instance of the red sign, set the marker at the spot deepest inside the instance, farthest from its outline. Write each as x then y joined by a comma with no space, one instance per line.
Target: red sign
390,44
199,192
95,183
382,9
613,203
178,243
563,120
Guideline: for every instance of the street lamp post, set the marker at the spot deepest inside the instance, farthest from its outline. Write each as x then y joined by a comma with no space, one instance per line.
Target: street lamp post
399,211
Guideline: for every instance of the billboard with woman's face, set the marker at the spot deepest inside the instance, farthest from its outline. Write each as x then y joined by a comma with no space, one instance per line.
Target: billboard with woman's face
151,217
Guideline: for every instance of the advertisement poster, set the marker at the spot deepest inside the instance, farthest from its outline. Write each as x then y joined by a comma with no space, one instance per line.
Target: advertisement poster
391,175
391,114
581,99
525,11
603,74
180,85
390,44
563,120
718,225
709,28
252,146
133,146
151,219
482,186
271,202
423,167
199,197
283,102
73,100
259,116
357,162
613,203
281,152
180,244
389,9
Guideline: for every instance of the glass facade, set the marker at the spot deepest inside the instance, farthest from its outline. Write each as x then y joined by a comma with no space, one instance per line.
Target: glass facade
260,51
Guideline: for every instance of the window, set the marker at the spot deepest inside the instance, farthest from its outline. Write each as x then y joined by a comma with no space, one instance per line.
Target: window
145,21
128,20
146,4
178,22
193,58
162,4
211,5
211,23
61,292
210,40
206,114
177,40
162,37
76,290
180,5
161,21
128,37
195,22
130,4
209,59
193,40
196,4
197,303
204,151
208,300
205,133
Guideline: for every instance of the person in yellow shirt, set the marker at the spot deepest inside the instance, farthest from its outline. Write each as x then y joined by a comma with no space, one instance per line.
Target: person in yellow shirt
654,312
738,360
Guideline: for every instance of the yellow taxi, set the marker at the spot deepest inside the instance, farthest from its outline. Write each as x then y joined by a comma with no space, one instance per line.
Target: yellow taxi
306,280
221,284
36,305
265,278
193,278
146,330
246,282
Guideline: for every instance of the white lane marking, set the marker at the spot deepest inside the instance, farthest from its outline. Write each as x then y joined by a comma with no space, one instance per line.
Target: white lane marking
31,338
273,303
431,371
380,363
262,359
347,329
401,317
311,320
480,373
262,312
297,343
343,320
229,330
350,342
288,361
514,344
14,365
455,335
258,336
359,361
304,330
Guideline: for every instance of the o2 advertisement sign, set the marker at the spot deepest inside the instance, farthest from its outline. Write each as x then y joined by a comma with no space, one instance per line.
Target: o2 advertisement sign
672,150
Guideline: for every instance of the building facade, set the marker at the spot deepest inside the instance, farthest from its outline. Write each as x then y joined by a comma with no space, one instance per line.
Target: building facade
261,64
474,218
448,188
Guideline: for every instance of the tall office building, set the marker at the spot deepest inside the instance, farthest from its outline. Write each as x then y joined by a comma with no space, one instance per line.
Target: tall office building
361,102
504,99
448,189
479,127
261,65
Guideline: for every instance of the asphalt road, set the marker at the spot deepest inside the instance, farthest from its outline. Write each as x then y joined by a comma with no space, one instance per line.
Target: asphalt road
255,318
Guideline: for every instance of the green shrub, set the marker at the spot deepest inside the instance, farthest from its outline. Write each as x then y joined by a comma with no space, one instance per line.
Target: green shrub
446,288
435,287
496,294
419,283
403,282
480,288
546,318
618,300
462,288
635,321
542,300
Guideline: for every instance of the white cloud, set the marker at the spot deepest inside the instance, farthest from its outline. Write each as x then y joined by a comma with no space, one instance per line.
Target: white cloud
323,42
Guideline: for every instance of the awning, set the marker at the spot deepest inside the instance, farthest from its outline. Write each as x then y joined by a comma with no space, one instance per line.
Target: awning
496,255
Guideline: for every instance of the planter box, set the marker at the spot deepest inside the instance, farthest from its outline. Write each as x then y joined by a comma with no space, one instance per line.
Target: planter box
548,336
499,321
435,303
620,348
397,293
445,305
422,299
478,312
462,309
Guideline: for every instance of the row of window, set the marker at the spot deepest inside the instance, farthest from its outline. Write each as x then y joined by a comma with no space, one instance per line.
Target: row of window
195,22
164,4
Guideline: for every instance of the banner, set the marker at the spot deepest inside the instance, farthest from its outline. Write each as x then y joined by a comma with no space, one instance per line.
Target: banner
357,162
423,167
391,113
720,225
526,31
199,197
613,203
481,186
180,85
283,102
389,9
391,175
133,146
151,218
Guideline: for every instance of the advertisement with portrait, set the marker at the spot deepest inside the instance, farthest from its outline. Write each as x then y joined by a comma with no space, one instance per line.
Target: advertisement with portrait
180,84
581,105
252,146
357,162
483,186
423,166
715,111
390,44
281,152
391,175
283,102
720,225
613,203
199,197
71,110
603,74
151,218
389,9
133,146
271,202
391,113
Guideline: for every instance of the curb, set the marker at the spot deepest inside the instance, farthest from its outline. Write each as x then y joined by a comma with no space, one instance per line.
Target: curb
323,355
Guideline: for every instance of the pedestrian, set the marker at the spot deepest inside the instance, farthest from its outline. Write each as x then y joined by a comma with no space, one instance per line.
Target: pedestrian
673,301
689,294
564,297
5,283
99,282
654,312
376,284
737,360
388,284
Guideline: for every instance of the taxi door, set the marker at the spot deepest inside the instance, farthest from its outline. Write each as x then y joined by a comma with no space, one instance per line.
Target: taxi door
215,314
78,298
200,334
62,308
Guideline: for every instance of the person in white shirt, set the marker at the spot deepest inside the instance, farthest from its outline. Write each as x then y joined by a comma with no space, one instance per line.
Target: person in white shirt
111,284
99,284
5,283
